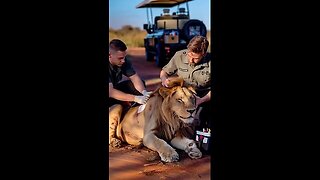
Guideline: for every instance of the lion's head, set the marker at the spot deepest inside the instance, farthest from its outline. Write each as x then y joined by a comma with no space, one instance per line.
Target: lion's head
178,101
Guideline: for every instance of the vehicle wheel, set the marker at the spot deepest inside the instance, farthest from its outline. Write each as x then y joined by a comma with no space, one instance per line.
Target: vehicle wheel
149,56
160,58
193,23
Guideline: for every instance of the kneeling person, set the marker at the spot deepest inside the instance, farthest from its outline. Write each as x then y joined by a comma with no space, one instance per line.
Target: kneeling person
193,66
125,92
133,90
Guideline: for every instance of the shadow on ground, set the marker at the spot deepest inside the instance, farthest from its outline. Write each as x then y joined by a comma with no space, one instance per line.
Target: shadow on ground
131,163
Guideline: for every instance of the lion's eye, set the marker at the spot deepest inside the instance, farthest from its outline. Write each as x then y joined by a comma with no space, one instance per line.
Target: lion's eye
180,101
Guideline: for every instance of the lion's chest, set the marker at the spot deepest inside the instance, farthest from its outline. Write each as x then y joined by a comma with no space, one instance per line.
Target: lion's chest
167,132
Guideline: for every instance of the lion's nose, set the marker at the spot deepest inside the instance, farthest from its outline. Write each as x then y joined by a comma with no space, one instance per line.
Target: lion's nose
191,111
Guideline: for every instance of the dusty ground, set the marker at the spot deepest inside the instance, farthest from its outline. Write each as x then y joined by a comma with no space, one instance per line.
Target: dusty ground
132,163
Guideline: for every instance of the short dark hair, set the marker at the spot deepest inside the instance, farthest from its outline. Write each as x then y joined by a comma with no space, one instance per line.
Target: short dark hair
198,44
117,45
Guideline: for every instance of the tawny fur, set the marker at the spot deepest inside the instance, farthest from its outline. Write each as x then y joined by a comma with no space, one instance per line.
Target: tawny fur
163,124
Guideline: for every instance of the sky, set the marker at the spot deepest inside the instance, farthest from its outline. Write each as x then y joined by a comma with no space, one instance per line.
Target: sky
124,12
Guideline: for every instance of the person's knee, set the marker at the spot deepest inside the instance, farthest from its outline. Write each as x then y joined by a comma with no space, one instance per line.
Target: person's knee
127,87
112,101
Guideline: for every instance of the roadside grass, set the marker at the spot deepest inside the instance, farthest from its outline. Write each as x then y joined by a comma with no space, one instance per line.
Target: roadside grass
133,36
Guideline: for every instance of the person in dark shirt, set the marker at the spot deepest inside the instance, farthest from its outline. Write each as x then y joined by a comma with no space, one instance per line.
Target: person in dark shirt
132,90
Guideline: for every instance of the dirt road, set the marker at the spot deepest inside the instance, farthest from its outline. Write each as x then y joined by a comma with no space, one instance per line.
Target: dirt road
132,163
147,70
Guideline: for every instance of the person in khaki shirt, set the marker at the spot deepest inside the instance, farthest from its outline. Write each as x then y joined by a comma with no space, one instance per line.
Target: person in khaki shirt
194,66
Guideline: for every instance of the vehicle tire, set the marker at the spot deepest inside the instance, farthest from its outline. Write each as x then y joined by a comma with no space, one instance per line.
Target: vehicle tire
193,22
149,56
160,57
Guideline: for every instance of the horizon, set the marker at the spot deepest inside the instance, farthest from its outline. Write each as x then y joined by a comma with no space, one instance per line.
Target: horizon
137,17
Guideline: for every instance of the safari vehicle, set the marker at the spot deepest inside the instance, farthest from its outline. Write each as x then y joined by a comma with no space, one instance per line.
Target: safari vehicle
169,33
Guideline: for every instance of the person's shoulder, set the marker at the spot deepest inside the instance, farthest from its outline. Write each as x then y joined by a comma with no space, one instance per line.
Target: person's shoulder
181,55
184,52
126,59
208,57
127,62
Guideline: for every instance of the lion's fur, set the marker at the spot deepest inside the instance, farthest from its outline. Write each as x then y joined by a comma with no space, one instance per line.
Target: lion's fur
159,120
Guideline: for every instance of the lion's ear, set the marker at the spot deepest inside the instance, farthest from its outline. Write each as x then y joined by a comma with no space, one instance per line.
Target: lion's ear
164,92
175,81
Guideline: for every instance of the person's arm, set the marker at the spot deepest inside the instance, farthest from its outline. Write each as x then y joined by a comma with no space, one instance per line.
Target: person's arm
119,95
205,98
137,82
169,70
164,78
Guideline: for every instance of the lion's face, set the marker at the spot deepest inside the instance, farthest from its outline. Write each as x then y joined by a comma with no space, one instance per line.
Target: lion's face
179,102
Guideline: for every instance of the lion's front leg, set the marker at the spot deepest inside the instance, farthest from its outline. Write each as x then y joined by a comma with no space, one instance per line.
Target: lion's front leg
166,152
114,120
188,145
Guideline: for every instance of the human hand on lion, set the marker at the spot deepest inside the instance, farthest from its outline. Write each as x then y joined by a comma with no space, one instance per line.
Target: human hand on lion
141,99
165,82
146,93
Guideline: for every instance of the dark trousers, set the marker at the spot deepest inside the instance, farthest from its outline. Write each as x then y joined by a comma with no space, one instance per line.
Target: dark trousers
205,116
126,87
206,122
206,113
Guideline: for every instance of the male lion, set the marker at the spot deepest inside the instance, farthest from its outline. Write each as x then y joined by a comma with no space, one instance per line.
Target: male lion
165,120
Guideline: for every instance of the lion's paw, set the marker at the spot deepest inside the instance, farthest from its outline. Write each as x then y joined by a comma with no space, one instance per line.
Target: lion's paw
170,156
114,142
193,151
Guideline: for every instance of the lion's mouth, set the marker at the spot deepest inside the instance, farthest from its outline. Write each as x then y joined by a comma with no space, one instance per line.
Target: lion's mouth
186,120
184,117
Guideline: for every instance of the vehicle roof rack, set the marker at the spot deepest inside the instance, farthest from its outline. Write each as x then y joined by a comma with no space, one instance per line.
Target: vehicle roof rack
160,3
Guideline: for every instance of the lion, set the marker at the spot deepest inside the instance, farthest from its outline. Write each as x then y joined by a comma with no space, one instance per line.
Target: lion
162,125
